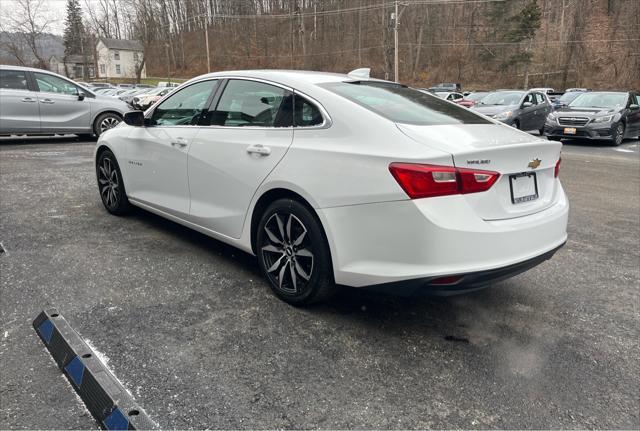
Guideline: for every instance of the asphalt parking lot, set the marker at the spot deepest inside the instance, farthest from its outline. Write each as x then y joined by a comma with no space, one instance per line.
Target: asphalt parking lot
188,325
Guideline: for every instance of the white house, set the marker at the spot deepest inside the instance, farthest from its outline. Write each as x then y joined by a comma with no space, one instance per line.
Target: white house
119,58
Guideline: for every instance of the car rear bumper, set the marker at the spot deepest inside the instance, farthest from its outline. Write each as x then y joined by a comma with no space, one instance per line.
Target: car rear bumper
461,283
423,239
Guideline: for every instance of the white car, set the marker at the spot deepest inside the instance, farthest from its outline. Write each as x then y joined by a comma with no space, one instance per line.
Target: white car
336,179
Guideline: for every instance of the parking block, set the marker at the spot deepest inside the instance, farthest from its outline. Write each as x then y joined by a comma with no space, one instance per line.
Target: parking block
105,397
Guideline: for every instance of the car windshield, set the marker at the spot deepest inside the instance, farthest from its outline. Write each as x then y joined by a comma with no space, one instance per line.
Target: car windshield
568,97
502,98
442,94
600,100
401,104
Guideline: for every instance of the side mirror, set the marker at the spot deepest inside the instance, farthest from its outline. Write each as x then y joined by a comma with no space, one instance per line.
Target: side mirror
527,104
81,95
634,107
134,118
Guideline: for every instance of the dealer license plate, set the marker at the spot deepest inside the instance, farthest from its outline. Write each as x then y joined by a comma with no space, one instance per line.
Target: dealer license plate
524,187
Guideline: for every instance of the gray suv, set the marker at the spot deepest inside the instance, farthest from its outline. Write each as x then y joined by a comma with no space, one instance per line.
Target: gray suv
524,110
36,101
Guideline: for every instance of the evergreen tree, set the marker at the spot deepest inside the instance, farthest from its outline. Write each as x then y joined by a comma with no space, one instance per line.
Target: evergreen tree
74,34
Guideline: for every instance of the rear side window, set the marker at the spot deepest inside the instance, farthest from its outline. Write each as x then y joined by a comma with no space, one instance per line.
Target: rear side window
247,103
306,114
13,80
405,105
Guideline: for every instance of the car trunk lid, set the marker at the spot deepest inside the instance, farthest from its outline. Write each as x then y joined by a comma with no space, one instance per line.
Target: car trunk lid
512,153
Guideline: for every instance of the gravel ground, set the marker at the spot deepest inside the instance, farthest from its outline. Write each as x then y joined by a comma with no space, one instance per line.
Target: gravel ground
191,329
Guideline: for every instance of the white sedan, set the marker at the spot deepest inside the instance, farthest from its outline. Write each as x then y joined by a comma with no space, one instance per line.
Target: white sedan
334,179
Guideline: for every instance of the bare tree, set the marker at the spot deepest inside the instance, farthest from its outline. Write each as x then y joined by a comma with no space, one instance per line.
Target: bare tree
28,22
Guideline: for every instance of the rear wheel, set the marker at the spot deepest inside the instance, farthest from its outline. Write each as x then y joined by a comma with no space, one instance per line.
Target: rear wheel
293,253
105,121
618,134
111,185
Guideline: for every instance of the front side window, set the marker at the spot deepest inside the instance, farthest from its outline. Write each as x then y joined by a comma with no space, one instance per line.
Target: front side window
530,98
53,84
405,105
539,98
252,104
13,80
185,107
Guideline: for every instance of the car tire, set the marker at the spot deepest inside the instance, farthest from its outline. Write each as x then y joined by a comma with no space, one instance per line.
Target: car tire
293,253
104,122
541,132
618,134
111,185
516,124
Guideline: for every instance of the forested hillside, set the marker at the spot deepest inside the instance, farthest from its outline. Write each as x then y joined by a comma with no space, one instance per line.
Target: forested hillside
483,43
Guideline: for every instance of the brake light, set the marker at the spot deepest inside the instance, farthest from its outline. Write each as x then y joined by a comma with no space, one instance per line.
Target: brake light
424,181
556,171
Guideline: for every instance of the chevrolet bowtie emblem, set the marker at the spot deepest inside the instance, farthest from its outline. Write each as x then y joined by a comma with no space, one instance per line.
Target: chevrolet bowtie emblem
534,163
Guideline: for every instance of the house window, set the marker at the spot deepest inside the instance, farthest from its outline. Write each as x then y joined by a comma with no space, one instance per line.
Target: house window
103,69
118,72
135,56
116,55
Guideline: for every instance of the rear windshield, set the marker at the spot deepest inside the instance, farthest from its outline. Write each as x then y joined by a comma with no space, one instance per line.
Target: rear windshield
405,105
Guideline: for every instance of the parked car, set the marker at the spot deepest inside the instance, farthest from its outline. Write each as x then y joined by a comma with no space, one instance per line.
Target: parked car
144,101
525,110
447,87
128,96
470,99
457,202
167,84
566,98
608,115
450,96
36,101
569,90
100,85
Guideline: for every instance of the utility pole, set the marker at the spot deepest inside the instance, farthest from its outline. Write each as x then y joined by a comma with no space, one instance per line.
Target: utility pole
395,42
166,46
206,36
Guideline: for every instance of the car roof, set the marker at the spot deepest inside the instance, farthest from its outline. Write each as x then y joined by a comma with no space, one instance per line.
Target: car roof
303,80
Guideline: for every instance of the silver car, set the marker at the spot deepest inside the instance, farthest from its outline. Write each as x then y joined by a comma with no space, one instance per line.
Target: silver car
36,101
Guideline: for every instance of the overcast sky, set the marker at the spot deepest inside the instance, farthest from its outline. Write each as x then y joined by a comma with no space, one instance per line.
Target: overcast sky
52,9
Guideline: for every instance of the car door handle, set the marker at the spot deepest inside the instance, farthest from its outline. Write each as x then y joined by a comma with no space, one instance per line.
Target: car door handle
48,101
28,100
179,143
259,149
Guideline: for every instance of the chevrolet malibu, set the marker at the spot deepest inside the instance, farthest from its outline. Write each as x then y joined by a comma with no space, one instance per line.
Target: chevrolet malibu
336,179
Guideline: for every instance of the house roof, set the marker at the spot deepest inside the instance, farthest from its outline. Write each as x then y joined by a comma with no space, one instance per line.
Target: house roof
76,59
122,44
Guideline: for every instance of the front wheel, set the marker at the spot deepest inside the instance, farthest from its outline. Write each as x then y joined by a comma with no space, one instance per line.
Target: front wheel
111,185
618,134
293,253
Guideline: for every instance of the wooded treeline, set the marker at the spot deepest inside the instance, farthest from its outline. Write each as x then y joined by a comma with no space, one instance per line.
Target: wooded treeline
479,43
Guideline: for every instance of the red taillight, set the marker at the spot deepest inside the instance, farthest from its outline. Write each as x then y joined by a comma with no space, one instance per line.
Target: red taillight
425,181
556,171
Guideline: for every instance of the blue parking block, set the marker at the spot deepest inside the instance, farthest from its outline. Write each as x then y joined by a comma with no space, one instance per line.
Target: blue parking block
75,370
116,421
46,330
